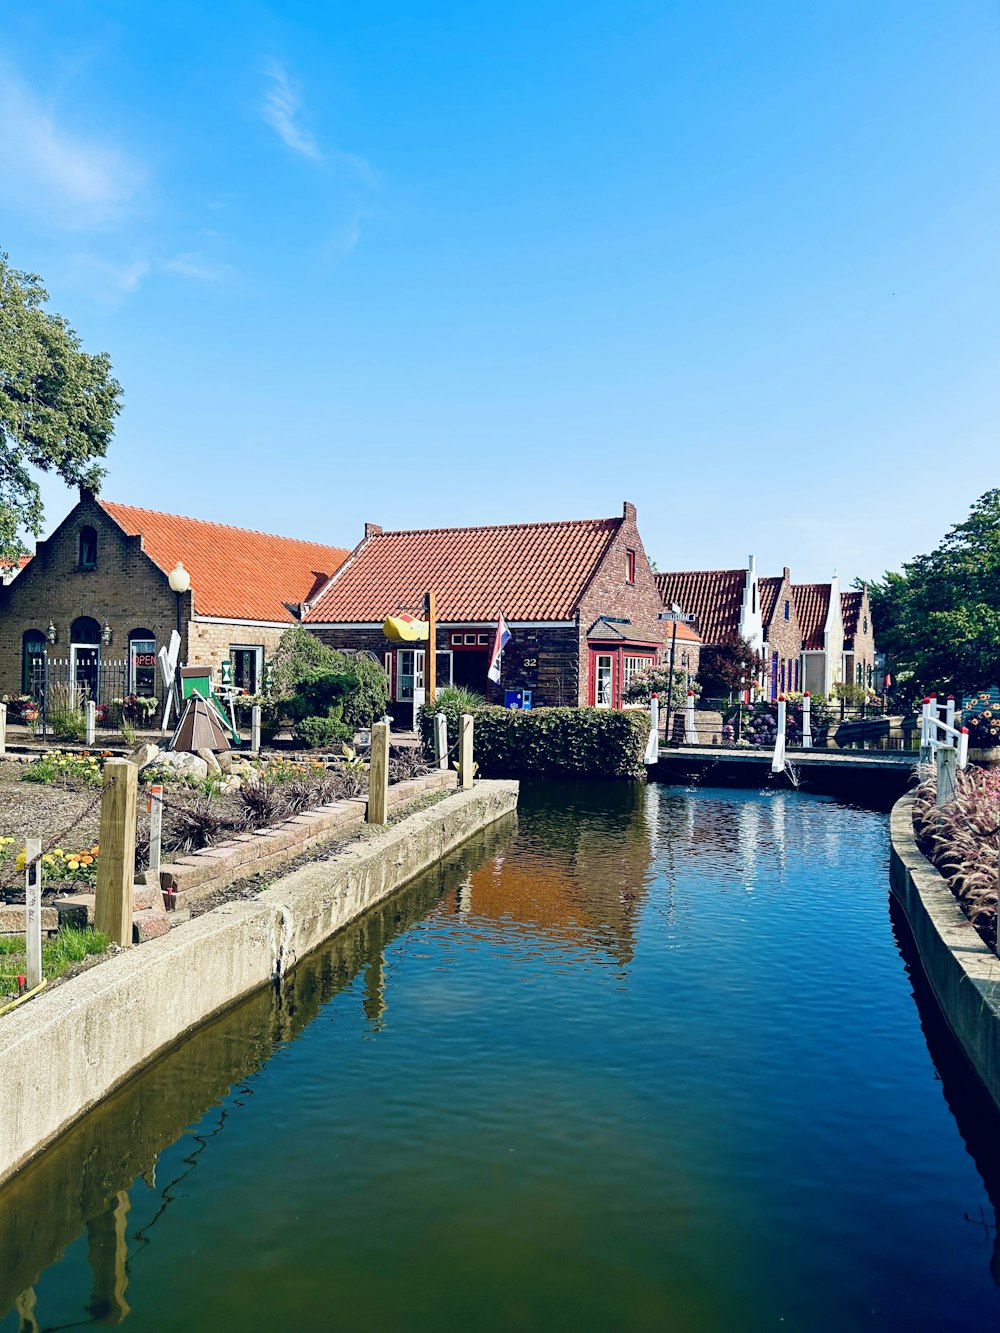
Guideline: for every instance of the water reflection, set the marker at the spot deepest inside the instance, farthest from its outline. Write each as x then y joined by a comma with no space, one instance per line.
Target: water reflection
82,1183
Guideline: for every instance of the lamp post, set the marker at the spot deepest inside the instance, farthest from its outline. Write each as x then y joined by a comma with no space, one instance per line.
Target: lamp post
180,581
674,614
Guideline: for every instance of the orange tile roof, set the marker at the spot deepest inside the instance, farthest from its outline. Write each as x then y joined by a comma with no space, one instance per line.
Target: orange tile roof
530,571
713,596
850,609
604,631
235,572
812,604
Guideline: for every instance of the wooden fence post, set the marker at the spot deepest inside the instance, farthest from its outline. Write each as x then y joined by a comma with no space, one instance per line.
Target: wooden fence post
255,729
33,911
116,863
441,740
90,712
3,728
378,774
465,760
947,761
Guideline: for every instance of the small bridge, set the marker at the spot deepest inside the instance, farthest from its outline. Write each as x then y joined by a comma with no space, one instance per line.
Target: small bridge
876,777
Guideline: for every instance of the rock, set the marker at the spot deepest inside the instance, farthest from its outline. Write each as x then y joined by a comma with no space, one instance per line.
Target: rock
225,760
149,924
211,762
145,754
187,765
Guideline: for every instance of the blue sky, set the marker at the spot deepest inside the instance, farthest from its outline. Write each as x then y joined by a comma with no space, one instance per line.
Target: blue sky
426,264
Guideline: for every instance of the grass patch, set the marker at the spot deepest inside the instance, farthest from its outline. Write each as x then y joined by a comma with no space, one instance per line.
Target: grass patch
70,946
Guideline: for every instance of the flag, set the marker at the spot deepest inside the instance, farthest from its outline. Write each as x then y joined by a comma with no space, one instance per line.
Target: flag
500,641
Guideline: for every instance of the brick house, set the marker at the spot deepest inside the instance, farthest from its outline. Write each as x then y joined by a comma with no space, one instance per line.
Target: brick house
97,592
578,596
782,635
822,625
859,638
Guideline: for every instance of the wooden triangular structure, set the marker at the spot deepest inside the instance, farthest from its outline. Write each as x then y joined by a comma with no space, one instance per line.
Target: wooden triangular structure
199,729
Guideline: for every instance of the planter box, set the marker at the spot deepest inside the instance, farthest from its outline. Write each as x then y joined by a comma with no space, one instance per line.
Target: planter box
985,758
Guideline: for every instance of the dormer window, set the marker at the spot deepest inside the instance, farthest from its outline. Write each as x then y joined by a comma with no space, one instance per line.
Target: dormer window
629,566
87,550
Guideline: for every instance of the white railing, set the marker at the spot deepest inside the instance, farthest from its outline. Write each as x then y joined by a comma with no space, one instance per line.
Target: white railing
935,732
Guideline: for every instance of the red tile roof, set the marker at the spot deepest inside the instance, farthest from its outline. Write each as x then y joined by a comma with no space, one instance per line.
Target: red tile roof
530,571
812,604
235,573
713,596
850,609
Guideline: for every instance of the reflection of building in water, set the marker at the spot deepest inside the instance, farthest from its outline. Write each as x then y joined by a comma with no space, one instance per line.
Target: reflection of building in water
586,893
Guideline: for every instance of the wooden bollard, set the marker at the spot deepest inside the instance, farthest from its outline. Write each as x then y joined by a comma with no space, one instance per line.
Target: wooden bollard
465,760
116,862
3,728
378,775
947,762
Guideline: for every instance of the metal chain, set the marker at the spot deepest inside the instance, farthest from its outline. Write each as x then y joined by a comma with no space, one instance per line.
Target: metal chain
57,839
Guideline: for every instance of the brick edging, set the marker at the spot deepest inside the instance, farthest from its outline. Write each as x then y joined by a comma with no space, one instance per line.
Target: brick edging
188,879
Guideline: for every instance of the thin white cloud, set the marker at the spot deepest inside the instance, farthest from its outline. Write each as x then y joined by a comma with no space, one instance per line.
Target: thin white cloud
280,109
194,265
75,184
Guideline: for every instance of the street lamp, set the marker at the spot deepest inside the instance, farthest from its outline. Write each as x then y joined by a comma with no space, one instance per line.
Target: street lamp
674,614
179,580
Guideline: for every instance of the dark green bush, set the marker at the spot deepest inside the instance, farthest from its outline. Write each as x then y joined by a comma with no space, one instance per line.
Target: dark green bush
549,742
321,733
300,657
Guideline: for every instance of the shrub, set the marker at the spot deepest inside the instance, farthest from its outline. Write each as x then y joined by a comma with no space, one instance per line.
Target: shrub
300,658
549,742
656,680
189,827
406,763
962,840
321,733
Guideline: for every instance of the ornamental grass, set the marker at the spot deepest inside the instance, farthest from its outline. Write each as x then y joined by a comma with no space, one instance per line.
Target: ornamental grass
962,839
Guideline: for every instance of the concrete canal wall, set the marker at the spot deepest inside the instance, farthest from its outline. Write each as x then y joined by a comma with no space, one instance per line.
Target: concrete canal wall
963,973
67,1049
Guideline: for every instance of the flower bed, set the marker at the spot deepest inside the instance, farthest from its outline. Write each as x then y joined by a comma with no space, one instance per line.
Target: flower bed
962,840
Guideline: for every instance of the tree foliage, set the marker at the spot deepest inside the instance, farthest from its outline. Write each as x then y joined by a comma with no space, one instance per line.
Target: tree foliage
57,405
725,667
938,622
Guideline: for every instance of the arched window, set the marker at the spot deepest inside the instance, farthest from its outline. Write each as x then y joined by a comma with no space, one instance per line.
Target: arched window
87,556
32,651
85,629
142,662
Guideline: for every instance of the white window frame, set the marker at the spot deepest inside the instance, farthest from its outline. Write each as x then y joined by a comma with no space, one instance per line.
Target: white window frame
598,701
132,682
258,669
632,666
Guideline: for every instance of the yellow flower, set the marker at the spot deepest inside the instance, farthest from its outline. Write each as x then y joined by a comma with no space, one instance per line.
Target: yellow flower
48,859
73,865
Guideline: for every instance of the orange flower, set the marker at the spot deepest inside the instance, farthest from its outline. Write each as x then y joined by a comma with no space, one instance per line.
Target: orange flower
86,860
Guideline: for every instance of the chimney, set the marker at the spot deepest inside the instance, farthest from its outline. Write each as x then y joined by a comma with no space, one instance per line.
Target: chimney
372,530
628,511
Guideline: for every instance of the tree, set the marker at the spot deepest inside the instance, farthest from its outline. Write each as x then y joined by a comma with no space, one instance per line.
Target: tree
57,406
727,666
300,657
939,620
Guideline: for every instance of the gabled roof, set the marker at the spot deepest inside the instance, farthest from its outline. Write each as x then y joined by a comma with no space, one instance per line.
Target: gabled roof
850,610
529,571
235,573
713,596
812,605
769,589
607,631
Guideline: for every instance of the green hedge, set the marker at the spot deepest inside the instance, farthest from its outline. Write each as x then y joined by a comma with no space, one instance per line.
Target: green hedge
549,742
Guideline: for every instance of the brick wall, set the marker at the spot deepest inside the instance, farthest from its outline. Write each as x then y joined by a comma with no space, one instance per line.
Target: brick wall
863,648
209,644
610,594
782,636
125,591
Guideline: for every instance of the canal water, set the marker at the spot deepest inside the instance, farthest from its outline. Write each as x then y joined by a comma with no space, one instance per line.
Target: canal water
649,1059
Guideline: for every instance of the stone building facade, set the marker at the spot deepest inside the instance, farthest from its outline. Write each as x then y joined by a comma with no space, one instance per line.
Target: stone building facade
96,604
579,598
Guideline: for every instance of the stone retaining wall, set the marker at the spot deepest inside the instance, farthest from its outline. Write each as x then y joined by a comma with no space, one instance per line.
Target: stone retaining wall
189,878
68,1048
963,973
